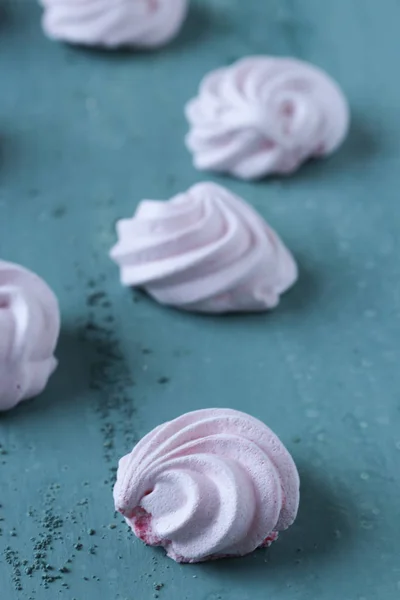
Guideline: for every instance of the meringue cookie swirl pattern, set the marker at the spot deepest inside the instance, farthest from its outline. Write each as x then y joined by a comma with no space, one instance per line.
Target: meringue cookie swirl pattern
209,484
114,23
265,115
205,250
29,326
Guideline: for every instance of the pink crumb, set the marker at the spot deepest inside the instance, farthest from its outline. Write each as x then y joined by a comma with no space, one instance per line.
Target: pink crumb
141,524
270,539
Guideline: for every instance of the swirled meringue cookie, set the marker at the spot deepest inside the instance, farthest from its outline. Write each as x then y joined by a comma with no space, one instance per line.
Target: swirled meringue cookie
205,250
114,23
265,115
210,484
29,326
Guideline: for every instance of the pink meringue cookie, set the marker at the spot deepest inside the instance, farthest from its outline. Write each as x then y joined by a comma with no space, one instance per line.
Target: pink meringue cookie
114,23
205,250
210,484
265,115
29,326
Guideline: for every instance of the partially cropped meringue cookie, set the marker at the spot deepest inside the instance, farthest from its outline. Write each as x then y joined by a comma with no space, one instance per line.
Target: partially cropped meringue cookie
114,23
29,326
204,250
265,115
212,483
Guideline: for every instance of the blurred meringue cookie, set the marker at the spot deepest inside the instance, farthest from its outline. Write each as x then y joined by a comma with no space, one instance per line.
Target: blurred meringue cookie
29,326
204,250
213,483
114,23
265,115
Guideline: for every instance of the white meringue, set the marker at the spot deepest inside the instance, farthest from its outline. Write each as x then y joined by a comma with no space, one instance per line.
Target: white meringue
29,326
114,23
265,115
205,250
210,484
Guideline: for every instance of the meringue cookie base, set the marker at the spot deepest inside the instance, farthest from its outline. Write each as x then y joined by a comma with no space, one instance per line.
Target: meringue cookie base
140,523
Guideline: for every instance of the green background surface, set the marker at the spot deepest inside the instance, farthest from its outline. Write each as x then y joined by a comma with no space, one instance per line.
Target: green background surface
84,136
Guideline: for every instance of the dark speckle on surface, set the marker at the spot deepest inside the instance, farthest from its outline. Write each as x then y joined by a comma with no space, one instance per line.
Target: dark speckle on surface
59,212
158,586
64,570
95,298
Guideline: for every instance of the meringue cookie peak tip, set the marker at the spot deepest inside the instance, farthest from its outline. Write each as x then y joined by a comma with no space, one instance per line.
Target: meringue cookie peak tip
211,483
264,115
30,326
205,250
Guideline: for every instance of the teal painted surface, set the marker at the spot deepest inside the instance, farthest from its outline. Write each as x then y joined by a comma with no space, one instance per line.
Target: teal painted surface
84,136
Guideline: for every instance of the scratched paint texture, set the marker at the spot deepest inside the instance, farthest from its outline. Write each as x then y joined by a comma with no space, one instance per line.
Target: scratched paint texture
85,136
